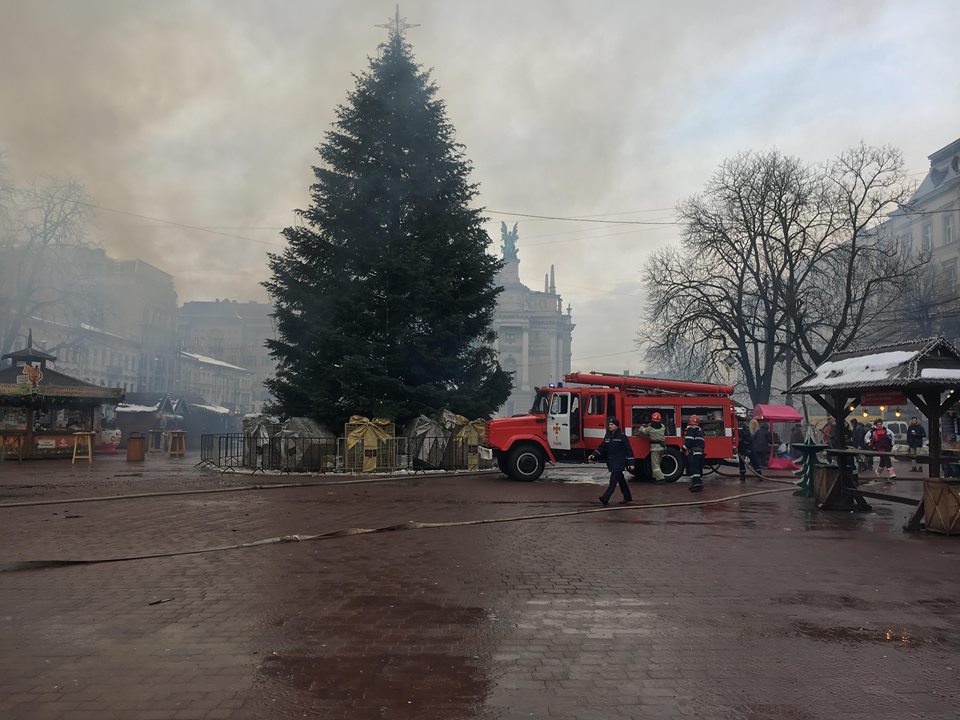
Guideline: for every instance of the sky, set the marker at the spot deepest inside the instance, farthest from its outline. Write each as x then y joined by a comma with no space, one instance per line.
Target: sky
207,113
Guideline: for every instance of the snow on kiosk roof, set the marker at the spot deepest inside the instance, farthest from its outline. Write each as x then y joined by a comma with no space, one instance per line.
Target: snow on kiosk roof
929,363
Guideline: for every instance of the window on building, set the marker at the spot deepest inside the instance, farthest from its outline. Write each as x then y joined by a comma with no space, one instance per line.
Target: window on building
950,277
949,233
906,242
926,242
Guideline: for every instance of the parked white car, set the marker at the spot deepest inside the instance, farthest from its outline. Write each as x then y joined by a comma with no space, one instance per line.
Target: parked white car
897,428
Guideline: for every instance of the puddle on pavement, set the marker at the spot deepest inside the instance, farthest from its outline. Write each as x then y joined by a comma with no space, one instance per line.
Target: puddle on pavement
772,712
901,636
415,685
355,661
941,607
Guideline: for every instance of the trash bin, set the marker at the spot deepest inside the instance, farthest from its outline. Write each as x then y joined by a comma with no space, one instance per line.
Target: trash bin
136,447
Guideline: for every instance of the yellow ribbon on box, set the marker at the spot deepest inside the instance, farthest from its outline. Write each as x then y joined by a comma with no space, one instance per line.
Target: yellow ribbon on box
470,436
370,434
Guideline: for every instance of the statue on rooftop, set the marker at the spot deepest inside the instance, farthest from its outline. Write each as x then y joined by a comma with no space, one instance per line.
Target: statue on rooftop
509,242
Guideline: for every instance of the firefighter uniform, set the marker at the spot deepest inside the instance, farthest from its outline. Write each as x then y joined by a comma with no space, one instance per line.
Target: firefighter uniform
693,441
615,450
657,434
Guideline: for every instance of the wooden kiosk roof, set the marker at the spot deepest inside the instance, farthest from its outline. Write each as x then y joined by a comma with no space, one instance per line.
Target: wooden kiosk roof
925,371
928,363
55,385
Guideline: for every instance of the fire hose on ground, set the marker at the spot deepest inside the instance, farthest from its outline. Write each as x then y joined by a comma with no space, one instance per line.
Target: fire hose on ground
342,532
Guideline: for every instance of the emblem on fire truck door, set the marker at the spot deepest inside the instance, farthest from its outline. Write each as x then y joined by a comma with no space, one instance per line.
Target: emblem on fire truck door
556,429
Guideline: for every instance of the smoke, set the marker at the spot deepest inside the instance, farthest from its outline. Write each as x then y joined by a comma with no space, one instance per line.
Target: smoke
208,112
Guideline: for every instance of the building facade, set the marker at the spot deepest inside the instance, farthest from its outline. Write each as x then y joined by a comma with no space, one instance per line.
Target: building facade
220,384
91,354
929,226
234,332
534,334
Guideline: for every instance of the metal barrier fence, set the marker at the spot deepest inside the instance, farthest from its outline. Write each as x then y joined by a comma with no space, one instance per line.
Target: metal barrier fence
238,451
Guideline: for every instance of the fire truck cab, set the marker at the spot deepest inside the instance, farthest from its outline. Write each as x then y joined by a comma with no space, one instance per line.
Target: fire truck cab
568,422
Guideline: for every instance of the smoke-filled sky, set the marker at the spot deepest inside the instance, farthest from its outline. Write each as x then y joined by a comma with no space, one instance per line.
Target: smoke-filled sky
208,112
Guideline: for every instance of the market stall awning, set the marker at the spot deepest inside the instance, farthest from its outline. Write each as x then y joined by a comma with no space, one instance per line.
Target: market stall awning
777,413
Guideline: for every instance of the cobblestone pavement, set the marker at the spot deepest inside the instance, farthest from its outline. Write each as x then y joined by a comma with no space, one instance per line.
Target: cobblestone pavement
760,608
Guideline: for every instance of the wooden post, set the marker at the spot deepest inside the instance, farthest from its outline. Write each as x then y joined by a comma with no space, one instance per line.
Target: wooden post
931,399
928,402
27,447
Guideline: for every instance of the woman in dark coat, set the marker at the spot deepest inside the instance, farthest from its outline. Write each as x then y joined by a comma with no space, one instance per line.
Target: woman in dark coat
760,447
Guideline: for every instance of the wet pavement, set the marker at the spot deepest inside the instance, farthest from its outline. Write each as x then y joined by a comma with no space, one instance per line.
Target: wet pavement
757,608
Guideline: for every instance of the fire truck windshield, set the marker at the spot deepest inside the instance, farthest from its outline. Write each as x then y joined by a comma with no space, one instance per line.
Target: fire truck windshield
540,403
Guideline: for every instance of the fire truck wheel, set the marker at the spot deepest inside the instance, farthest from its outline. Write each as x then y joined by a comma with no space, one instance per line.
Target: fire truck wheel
671,464
525,462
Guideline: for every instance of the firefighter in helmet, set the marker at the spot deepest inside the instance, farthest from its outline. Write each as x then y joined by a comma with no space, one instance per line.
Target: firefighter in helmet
693,441
657,433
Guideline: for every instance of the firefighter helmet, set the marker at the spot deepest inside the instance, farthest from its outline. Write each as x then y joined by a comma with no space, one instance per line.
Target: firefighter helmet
655,417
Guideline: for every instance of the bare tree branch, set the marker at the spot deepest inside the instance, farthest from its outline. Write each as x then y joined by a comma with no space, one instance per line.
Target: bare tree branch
779,259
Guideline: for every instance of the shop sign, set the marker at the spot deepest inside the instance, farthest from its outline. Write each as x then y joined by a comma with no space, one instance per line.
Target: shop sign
53,443
876,399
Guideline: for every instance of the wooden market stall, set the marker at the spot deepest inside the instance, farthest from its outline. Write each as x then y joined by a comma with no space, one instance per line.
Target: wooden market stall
925,372
42,411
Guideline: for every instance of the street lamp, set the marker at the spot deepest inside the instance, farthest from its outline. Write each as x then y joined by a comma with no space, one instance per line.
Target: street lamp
730,360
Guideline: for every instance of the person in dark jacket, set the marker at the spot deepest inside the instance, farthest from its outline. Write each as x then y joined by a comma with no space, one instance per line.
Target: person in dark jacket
693,442
858,434
915,438
616,451
743,448
760,447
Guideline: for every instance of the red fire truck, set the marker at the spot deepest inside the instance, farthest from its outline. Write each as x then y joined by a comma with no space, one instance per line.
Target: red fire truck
567,423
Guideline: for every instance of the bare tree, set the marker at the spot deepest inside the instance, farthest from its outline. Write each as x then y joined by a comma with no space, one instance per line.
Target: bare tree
779,261
841,282
930,299
42,238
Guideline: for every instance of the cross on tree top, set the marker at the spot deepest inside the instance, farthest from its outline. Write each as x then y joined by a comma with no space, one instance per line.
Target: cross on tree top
398,24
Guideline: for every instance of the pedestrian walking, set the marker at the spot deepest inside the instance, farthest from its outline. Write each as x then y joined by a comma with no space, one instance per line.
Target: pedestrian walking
657,434
882,441
615,450
827,432
858,434
915,437
693,441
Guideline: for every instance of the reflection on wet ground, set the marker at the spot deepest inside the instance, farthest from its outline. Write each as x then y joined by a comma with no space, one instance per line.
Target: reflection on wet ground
410,685
725,611
898,635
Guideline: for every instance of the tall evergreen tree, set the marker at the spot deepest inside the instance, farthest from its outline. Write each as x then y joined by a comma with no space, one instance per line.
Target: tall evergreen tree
384,297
